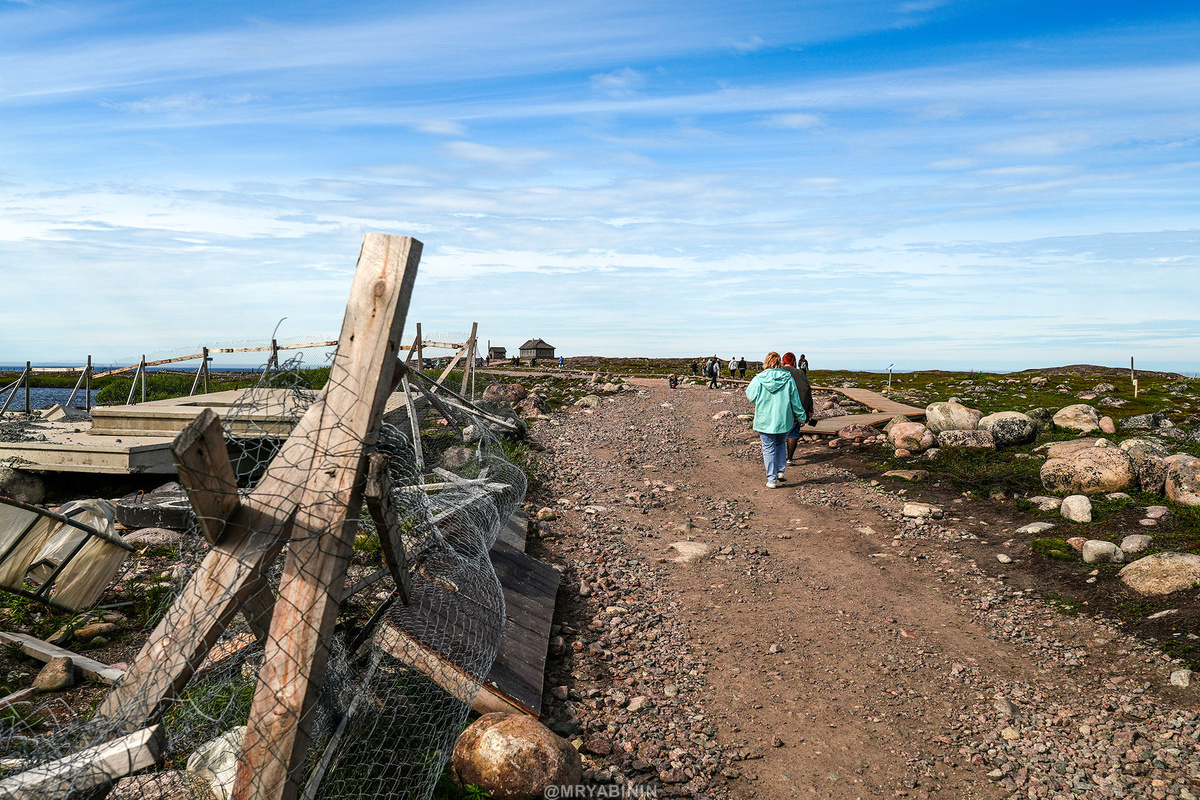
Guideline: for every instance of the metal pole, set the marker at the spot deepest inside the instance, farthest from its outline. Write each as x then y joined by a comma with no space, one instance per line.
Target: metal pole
205,365
28,374
143,371
87,388
133,386
274,362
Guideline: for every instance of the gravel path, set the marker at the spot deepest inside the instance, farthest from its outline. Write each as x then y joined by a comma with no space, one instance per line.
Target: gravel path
824,646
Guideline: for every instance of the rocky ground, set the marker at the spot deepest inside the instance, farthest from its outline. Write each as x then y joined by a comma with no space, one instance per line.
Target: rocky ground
720,639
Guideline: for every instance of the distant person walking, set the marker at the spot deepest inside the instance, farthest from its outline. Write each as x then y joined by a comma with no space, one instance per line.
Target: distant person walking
777,406
560,362
793,436
803,365
713,370
695,368
732,368
742,367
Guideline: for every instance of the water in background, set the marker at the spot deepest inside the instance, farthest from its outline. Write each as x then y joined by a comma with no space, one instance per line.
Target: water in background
41,398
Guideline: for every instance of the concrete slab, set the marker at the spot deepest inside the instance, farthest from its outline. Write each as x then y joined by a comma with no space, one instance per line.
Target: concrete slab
274,414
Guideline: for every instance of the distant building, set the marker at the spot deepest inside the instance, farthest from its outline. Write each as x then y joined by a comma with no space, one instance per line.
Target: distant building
536,348
497,353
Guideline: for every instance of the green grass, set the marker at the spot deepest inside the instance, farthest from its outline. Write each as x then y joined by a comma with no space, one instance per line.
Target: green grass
1054,548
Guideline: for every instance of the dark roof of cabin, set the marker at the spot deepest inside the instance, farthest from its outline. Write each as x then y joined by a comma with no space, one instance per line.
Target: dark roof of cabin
534,344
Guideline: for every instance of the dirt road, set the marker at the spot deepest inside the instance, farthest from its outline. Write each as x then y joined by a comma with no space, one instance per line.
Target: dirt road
824,646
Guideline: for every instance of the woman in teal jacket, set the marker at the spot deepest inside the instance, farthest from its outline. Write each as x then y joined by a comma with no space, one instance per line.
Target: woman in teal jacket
777,408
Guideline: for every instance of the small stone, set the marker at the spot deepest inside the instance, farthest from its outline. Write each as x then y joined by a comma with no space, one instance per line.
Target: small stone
670,690
921,511
546,515
1107,425
638,703
690,552
1003,558
1097,551
1148,523
776,741
1181,678
1077,508
1010,734
58,674
1045,503
1035,527
1004,707
560,692
1135,543
1077,542
90,632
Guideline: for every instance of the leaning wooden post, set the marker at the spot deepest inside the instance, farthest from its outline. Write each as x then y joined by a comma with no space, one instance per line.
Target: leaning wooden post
87,387
328,496
420,350
470,358
28,379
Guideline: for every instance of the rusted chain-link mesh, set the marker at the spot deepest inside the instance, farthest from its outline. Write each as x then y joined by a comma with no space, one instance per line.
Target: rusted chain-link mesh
399,678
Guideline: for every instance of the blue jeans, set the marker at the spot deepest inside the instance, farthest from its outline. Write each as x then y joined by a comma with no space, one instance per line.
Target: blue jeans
774,446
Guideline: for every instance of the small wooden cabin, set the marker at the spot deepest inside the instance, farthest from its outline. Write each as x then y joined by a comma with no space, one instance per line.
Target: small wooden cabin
497,353
536,348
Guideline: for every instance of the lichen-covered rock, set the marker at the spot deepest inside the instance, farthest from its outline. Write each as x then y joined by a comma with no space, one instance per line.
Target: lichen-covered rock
1093,470
20,485
1182,483
534,405
589,401
506,393
58,674
515,757
1146,421
911,436
857,431
1162,573
1068,449
1010,428
958,439
1044,417
1098,551
1149,462
216,761
894,421
951,417
1079,417
1135,543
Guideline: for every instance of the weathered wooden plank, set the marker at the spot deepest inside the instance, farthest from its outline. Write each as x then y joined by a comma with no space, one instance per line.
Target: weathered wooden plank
325,483
379,504
87,769
44,651
206,473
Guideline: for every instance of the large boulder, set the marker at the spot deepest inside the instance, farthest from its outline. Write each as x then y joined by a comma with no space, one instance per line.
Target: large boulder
1079,417
515,757
19,485
506,393
1149,461
1142,422
1162,573
894,421
1093,470
534,405
964,439
1010,428
857,431
1070,448
1044,417
911,436
951,417
1182,482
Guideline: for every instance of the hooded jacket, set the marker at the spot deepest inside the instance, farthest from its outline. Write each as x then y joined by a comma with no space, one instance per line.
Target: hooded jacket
777,405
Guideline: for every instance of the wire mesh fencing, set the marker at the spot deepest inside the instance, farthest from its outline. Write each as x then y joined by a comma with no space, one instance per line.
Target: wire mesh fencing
327,638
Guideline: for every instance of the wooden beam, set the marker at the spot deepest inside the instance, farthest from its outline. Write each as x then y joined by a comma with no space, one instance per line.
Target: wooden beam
200,614
89,768
325,483
469,347
420,349
379,504
206,473
44,651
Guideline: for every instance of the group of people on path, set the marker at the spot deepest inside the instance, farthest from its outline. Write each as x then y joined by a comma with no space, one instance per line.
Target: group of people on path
712,369
782,403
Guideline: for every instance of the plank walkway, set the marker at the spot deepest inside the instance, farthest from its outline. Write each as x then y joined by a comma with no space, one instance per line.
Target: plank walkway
884,409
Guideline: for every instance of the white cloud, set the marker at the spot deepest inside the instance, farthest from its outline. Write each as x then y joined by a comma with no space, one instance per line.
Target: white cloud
622,83
474,151
749,45
440,127
794,120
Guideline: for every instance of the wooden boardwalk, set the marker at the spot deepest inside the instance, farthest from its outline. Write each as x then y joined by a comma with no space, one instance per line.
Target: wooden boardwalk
884,409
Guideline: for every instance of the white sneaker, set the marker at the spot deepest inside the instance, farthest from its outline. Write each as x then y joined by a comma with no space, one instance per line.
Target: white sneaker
780,477
771,484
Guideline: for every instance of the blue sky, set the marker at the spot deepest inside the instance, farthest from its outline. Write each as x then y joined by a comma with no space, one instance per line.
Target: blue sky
934,183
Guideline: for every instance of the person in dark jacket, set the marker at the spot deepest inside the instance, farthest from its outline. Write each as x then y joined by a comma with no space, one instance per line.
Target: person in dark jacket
742,367
803,365
713,369
801,379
